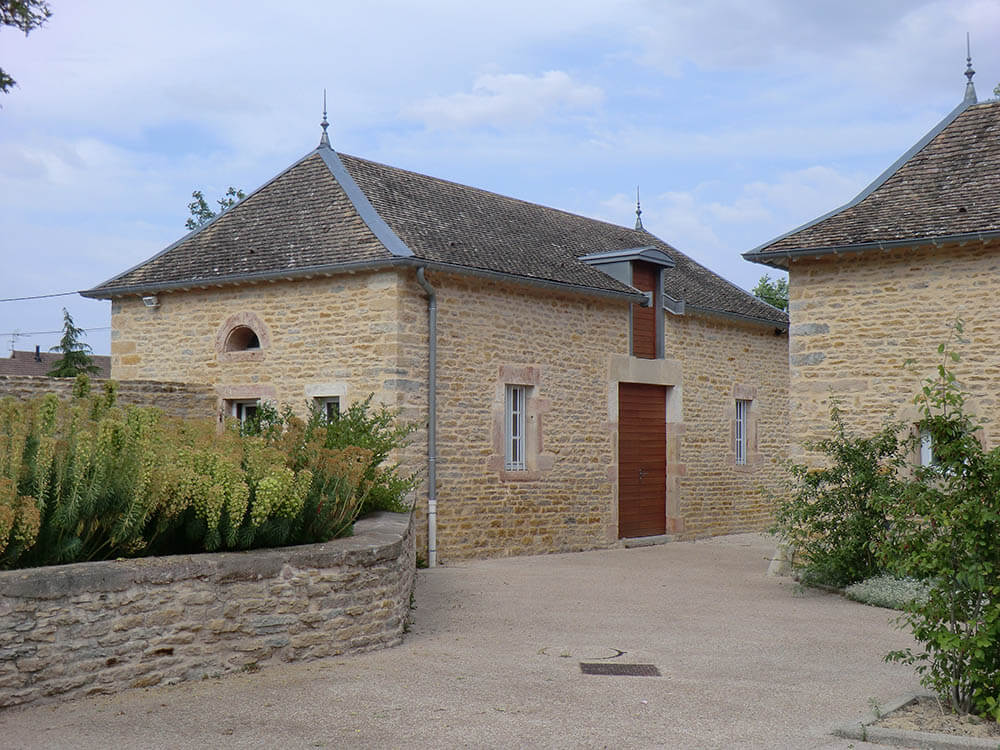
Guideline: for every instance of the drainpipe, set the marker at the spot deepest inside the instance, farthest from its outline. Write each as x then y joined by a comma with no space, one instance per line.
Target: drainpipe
431,418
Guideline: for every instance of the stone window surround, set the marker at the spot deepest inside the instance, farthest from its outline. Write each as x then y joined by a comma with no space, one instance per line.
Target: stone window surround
537,462
229,393
245,319
753,456
318,393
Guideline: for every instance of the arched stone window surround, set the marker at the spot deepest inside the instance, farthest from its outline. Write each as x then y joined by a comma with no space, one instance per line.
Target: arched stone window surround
237,321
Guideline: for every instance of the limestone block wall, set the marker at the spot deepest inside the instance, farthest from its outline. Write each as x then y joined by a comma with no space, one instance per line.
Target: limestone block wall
179,399
857,318
725,360
318,337
558,345
76,630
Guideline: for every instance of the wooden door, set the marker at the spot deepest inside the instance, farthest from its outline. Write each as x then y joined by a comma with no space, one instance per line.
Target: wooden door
642,460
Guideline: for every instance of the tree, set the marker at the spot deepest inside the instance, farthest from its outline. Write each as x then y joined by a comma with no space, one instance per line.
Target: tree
201,214
772,292
75,354
25,15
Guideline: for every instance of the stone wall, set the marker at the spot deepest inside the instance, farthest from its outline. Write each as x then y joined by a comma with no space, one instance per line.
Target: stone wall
491,334
89,628
179,399
856,319
725,360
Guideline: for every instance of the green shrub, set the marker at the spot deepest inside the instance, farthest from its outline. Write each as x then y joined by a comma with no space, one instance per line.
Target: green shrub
87,479
887,591
836,517
946,530
380,432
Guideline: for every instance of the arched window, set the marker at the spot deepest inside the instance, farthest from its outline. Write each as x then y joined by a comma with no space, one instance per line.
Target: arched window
242,338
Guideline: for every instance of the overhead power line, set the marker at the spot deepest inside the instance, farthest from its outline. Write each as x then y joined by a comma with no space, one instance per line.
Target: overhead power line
37,296
45,333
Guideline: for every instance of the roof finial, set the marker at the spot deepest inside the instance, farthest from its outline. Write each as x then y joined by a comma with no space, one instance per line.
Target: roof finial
970,90
324,140
638,210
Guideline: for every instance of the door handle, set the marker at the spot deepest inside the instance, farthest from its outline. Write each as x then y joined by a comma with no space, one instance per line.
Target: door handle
642,473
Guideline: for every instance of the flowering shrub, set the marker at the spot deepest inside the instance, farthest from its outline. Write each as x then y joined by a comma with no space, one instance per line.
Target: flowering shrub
88,479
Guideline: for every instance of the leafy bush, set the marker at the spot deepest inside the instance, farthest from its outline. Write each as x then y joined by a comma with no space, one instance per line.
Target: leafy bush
836,517
887,591
87,479
946,531
380,432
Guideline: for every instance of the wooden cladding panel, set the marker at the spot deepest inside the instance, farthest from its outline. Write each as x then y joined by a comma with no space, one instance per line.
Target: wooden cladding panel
642,460
644,277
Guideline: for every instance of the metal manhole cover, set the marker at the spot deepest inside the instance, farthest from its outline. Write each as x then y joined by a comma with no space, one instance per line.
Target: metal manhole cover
619,670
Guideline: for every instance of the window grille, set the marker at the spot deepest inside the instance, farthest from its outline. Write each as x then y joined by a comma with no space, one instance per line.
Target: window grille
742,413
515,412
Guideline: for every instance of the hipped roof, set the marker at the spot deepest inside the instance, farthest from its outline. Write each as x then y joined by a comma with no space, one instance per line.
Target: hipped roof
945,188
329,213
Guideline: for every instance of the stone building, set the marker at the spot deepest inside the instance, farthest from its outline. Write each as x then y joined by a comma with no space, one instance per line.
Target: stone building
579,383
883,279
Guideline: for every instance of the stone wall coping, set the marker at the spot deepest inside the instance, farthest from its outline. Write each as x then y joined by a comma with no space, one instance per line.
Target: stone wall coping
173,384
376,537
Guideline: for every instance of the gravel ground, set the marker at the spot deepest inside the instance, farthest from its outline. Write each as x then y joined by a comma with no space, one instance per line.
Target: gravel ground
492,661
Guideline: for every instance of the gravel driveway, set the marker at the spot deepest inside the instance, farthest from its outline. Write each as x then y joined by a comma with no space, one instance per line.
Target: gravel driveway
492,660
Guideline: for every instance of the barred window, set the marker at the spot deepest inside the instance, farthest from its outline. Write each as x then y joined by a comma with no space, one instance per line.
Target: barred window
742,419
514,432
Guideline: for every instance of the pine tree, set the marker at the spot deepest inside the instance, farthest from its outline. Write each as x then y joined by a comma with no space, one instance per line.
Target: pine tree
75,354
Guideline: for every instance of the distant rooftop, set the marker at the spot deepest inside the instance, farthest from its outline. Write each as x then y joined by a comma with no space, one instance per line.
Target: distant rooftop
39,363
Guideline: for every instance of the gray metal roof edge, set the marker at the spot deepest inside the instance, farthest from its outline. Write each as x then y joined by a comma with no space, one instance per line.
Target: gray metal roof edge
389,239
774,259
780,324
232,279
756,255
649,253
203,227
365,265
529,280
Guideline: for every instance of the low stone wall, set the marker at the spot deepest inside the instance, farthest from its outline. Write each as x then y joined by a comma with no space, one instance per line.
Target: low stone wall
75,630
178,399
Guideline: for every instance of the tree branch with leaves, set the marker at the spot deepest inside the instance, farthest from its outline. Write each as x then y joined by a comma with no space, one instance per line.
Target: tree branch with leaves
201,213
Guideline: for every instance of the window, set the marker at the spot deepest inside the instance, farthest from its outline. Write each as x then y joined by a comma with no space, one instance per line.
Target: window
241,339
329,407
926,449
742,420
514,432
244,410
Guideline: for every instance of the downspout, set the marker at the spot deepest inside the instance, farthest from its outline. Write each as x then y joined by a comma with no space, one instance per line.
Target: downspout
431,418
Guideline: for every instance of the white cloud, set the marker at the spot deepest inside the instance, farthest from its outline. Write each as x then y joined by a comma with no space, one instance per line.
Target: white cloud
507,99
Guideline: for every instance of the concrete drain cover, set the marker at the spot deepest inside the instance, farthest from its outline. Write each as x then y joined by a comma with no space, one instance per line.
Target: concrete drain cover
619,670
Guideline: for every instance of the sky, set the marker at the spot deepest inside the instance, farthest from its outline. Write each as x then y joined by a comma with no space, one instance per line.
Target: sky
737,121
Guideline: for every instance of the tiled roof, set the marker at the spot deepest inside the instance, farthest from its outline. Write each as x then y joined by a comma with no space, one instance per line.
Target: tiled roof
949,187
32,363
304,219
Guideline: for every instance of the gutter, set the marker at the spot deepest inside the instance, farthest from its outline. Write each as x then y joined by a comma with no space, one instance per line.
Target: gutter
777,325
431,418
773,257
365,265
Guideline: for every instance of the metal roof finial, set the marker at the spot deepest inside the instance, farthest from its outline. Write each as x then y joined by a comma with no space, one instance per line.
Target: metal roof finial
970,90
324,140
638,210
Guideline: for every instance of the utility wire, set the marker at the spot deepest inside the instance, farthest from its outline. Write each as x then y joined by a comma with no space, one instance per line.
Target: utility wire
37,296
45,333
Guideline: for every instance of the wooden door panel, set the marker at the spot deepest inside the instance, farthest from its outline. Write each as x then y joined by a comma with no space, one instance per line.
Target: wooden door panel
642,459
